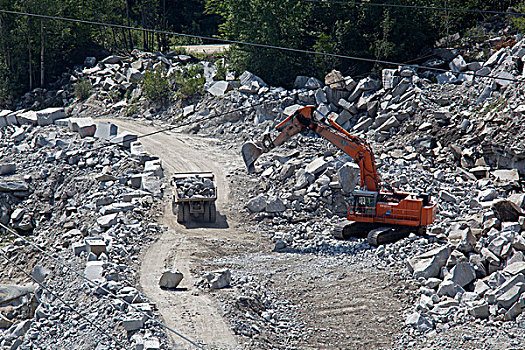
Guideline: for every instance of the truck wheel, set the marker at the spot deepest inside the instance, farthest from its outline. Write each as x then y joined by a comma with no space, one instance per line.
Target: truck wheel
206,215
186,212
180,212
213,212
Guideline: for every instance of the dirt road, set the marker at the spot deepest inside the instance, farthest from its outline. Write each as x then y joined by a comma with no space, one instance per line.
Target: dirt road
342,305
196,316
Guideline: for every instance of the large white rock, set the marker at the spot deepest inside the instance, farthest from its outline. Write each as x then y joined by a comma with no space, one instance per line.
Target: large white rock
316,166
106,131
275,205
349,176
420,322
462,274
429,264
449,288
257,204
219,279
49,115
170,279
220,88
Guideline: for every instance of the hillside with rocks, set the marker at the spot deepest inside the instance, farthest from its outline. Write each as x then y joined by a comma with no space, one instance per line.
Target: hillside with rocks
91,195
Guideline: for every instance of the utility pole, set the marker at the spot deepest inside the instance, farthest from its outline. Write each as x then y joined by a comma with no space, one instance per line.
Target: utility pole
447,22
42,48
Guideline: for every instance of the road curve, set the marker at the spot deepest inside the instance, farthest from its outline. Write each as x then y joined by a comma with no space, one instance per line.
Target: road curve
187,310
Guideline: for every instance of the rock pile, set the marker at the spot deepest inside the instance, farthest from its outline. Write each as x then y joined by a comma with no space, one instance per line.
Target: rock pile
76,196
195,187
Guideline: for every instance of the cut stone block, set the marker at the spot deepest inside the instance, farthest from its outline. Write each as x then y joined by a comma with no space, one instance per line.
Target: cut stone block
106,131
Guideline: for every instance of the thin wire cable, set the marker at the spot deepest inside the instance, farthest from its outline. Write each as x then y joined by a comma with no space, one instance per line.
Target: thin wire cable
414,7
93,283
245,43
100,329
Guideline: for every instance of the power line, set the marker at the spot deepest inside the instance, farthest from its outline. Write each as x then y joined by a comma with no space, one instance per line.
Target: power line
103,331
414,7
67,266
245,43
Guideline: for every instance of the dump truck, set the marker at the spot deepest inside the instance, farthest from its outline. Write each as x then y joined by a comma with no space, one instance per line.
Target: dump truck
194,196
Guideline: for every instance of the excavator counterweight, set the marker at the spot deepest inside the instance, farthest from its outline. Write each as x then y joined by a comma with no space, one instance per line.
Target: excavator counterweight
383,216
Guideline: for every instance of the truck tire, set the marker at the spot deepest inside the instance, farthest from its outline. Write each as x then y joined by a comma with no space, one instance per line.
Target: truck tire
206,215
213,212
186,212
180,212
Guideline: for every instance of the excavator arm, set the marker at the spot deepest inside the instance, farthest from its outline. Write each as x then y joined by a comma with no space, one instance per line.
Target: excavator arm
303,120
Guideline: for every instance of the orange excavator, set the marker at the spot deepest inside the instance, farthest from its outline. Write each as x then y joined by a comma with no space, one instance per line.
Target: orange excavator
382,216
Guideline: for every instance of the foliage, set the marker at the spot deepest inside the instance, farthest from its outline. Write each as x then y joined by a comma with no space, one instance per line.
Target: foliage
83,88
220,70
155,86
189,81
392,34
396,34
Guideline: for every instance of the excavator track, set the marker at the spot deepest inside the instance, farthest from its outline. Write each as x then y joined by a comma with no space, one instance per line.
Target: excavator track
387,234
348,229
376,234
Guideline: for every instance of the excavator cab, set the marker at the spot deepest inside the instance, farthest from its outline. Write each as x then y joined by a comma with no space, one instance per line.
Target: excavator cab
363,204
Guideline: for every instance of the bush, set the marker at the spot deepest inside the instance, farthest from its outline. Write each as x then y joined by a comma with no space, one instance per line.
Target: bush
189,81
83,88
155,86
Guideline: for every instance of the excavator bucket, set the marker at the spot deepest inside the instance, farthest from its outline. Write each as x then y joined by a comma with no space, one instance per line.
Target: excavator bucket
250,152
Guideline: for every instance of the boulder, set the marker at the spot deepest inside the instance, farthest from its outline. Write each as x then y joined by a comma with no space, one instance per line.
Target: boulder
313,84
462,274
170,279
220,88
458,64
429,264
316,166
94,271
506,210
7,168
462,239
257,204
40,273
49,115
300,82
508,298
504,175
95,246
106,131
219,279
27,118
107,221
135,323
421,323
349,176
335,80
449,288
479,310
515,268
112,59
248,78
124,139
275,205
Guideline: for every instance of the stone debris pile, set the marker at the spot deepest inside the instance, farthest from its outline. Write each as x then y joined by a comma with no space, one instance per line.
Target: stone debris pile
195,187
75,194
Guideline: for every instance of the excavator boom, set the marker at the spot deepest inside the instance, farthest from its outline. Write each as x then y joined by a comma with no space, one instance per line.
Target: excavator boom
302,120
386,216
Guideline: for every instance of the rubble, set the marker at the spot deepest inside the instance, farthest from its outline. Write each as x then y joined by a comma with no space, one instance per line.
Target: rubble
194,187
451,135
170,279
